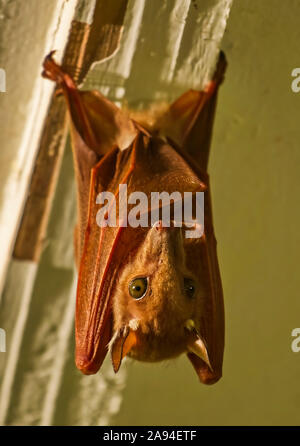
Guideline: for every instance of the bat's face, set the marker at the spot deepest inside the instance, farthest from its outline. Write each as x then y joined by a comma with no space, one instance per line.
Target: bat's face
159,299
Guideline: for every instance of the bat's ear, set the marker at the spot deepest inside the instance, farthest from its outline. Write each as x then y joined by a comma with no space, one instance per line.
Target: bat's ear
98,121
197,346
198,355
189,120
123,341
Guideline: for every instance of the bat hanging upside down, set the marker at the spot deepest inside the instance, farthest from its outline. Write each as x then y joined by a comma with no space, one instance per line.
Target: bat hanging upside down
148,293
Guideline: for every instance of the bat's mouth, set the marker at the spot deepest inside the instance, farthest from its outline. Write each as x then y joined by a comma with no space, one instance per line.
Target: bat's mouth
151,355
155,348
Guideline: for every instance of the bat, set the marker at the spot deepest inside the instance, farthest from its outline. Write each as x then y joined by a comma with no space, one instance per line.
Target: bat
147,292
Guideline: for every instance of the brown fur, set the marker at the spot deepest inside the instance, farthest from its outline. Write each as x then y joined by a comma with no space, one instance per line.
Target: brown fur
164,310
151,118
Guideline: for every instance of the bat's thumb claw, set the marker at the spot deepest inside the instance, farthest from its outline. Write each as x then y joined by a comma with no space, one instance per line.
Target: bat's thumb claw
54,72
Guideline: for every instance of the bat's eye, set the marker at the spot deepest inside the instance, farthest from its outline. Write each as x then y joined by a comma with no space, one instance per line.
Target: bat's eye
189,287
138,287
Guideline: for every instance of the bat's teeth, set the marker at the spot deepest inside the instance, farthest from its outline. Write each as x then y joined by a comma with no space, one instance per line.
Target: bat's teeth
190,324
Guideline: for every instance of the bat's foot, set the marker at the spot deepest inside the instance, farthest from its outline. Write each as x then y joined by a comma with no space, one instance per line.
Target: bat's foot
218,76
220,69
210,87
54,72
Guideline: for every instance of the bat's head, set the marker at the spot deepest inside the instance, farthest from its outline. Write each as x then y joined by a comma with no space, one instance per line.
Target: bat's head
160,302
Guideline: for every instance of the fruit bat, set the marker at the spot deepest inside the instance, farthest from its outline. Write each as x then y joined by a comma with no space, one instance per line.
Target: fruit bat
147,292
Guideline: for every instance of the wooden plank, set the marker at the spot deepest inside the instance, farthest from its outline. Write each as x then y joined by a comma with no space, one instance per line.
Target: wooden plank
86,44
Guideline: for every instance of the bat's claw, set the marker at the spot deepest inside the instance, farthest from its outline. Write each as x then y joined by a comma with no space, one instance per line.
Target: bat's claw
218,76
54,72
221,68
